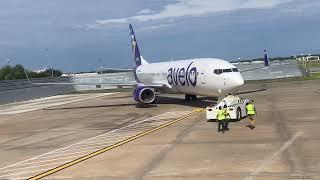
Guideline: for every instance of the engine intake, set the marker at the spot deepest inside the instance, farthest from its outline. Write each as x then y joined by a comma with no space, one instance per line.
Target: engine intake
144,94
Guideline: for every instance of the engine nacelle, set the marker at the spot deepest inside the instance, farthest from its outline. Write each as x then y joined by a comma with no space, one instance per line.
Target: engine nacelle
144,94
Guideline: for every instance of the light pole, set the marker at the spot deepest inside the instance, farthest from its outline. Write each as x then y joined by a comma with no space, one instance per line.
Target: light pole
51,71
100,63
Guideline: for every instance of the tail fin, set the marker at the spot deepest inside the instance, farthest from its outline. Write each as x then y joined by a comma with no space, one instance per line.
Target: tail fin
266,59
135,48
143,61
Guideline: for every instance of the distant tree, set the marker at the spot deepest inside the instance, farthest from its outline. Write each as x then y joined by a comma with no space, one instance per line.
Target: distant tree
18,72
6,73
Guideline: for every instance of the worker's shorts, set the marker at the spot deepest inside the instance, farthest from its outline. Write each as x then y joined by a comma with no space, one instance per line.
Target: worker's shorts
251,117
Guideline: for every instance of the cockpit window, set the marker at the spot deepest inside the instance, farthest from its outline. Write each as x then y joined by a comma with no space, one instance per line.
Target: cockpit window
217,71
235,70
220,71
226,70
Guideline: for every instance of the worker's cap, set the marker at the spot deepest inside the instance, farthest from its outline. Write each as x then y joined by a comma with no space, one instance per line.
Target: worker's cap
220,107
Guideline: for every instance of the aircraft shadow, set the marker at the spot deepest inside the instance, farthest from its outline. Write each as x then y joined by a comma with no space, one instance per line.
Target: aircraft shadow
230,121
201,102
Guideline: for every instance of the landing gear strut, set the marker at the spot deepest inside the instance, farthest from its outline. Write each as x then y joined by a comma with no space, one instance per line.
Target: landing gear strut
189,97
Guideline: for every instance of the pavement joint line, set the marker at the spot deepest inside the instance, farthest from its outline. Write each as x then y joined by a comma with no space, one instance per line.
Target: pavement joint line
95,143
88,156
33,107
270,159
68,157
30,167
87,98
57,155
23,173
90,147
79,142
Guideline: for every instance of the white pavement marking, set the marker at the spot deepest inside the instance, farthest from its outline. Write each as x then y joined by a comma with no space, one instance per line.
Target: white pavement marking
270,159
37,104
52,159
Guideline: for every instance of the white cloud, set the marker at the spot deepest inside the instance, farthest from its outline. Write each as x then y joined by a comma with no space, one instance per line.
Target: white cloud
154,27
301,7
194,8
145,11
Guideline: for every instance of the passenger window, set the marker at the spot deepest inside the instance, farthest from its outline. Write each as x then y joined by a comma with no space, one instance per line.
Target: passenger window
226,70
235,70
217,71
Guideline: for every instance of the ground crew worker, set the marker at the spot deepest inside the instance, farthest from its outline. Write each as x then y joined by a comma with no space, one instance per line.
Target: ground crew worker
251,111
220,118
227,117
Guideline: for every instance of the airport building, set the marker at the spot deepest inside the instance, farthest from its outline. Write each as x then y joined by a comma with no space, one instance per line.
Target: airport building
308,58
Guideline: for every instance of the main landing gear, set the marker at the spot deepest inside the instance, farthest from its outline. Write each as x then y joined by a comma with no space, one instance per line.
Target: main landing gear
190,97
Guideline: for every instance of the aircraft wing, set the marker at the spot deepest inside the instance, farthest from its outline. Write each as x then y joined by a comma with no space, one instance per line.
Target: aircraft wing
156,85
97,83
80,83
251,69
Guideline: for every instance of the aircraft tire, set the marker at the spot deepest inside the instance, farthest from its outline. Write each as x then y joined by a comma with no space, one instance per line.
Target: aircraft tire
239,115
187,97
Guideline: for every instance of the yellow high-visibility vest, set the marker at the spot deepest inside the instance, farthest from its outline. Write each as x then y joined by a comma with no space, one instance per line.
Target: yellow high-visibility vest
250,109
220,115
226,112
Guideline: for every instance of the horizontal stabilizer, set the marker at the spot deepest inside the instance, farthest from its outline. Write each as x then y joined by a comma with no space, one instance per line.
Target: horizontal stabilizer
113,70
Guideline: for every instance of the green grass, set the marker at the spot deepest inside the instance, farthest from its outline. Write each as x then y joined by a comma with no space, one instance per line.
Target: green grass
314,76
310,65
315,65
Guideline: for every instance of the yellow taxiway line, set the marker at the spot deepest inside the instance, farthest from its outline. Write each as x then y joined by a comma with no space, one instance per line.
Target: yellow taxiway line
88,156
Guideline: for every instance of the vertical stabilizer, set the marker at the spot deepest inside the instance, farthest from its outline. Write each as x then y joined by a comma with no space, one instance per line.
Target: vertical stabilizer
135,49
266,59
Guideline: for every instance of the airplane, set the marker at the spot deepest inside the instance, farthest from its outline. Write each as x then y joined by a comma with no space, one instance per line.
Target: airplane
209,77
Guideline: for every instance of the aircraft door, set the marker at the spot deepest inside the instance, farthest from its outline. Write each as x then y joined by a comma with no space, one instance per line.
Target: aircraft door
219,80
203,77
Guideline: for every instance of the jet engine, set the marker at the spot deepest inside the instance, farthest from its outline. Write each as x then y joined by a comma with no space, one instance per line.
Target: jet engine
144,94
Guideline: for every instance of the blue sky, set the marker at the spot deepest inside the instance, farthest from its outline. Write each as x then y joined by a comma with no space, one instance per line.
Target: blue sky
72,35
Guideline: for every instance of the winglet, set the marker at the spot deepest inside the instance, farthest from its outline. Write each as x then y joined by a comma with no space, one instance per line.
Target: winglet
266,59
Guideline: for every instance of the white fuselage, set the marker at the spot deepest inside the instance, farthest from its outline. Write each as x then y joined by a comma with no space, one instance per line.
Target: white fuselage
200,76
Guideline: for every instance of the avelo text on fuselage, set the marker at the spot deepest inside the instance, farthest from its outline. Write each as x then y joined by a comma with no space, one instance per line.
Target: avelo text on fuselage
184,76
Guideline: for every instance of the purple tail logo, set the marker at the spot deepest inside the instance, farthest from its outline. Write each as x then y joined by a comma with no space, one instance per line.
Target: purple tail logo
134,47
266,59
183,76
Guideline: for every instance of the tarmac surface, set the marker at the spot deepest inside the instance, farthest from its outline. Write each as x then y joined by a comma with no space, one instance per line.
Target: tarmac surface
284,145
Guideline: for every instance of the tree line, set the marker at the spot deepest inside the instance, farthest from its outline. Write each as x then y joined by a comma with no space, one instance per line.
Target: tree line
18,72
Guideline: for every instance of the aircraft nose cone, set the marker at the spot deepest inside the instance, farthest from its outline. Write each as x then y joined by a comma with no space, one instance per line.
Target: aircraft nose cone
237,81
